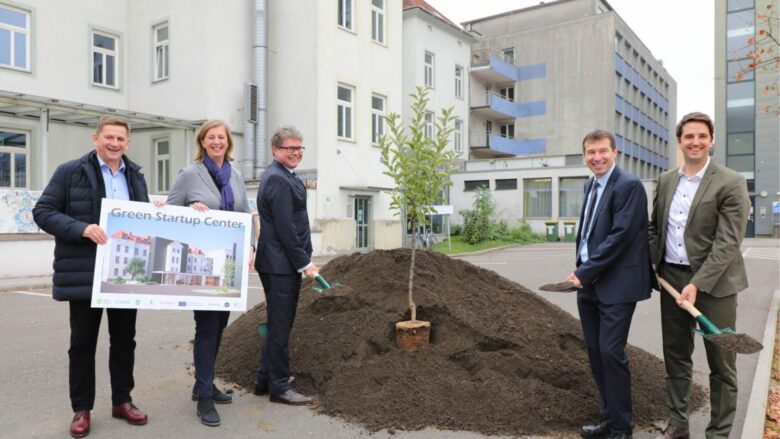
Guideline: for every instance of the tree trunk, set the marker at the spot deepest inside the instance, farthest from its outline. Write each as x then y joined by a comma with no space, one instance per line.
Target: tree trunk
412,306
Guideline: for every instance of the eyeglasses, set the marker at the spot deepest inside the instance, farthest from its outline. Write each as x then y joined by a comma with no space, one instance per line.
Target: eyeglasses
289,149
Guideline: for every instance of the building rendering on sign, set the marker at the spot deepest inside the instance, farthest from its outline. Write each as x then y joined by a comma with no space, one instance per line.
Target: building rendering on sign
165,261
541,78
747,101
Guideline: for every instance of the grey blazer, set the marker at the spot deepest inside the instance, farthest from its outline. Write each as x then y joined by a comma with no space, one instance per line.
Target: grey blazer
195,184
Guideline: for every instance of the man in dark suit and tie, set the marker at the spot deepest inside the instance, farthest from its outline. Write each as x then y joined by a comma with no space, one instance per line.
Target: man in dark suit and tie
700,212
283,253
613,273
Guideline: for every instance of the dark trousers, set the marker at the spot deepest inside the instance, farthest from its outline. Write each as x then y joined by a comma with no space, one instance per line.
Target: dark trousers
281,299
84,329
678,340
208,335
605,328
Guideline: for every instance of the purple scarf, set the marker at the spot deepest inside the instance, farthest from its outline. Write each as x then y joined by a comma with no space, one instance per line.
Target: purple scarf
221,177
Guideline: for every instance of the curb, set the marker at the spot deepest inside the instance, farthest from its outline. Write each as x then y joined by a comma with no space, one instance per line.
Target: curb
26,287
756,409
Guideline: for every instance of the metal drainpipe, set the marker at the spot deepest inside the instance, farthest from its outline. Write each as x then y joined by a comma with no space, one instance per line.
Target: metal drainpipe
260,75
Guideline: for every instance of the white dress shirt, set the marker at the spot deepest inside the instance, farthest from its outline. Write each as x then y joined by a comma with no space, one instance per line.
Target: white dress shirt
678,216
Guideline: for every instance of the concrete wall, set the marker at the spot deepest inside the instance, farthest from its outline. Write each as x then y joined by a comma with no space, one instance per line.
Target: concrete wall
21,256
387,234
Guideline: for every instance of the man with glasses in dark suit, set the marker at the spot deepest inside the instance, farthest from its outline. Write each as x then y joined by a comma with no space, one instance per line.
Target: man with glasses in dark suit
283,253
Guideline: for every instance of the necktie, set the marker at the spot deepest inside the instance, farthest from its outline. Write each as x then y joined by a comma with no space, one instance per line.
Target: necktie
591,209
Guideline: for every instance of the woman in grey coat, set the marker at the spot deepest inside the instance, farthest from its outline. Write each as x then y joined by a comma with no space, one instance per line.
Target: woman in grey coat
210,183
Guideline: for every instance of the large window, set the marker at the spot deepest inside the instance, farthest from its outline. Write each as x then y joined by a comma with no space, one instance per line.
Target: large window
346,12
570,196
162,151
429,117
160,51
105,65
457,136
429,59
377,118
14,38
507,92
459,82
537,198
346,113
13,159
378,21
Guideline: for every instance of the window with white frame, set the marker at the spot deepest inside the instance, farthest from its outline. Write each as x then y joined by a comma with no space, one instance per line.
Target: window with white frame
509,55
105,65
161,49
14,38
457,136
346,113
13,159
378,21
428,130
508,130
346,12
162,156
429,58
459,82
377,118
507,92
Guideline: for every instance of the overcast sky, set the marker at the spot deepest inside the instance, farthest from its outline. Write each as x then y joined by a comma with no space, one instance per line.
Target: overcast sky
679,32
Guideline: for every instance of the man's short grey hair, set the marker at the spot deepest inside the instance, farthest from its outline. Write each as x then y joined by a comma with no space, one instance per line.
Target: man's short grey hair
283,133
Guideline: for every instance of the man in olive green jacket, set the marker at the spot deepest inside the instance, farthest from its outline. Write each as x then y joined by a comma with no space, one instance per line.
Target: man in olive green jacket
700,213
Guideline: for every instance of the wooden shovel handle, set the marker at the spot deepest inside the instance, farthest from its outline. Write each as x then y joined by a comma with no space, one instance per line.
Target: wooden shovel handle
685,304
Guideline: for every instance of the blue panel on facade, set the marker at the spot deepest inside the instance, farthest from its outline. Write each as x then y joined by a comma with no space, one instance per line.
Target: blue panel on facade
503,67
531,71
533,108
518,147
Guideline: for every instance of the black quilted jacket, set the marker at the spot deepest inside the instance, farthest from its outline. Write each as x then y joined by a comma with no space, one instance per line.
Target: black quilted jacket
71,202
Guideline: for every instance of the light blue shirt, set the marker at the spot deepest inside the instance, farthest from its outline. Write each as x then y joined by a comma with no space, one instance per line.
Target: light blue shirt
116,184
586,233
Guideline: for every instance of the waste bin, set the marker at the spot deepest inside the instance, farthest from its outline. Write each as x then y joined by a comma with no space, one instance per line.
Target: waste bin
569,233
551,228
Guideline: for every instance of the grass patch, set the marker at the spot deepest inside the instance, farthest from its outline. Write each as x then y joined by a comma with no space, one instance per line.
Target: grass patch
458,246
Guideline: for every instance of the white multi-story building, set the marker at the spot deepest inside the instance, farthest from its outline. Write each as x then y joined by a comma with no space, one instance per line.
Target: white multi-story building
327,67
198,262
436,55
125,246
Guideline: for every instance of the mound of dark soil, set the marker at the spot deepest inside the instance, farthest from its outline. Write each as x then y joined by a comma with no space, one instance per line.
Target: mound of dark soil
502,360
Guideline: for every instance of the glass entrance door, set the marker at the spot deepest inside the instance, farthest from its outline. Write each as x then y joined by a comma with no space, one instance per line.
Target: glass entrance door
361,223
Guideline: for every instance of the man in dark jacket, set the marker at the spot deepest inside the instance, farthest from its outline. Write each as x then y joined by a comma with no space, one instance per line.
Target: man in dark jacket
69,209
613,273
283,253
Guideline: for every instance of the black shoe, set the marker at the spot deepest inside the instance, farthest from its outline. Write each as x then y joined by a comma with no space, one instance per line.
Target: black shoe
218,396
261,387
207,413
597,431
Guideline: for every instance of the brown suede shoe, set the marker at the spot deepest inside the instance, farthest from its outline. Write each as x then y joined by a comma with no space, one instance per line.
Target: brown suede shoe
79,426
673,432
130,413
291,397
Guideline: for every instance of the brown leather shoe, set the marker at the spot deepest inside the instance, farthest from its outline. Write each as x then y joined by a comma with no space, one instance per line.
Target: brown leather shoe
673,432
291,397
130,413
79,426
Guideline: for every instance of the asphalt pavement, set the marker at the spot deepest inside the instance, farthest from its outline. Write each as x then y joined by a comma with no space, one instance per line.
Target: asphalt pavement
33,358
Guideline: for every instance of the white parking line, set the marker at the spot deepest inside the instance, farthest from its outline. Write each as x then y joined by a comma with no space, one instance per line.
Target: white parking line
28,293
